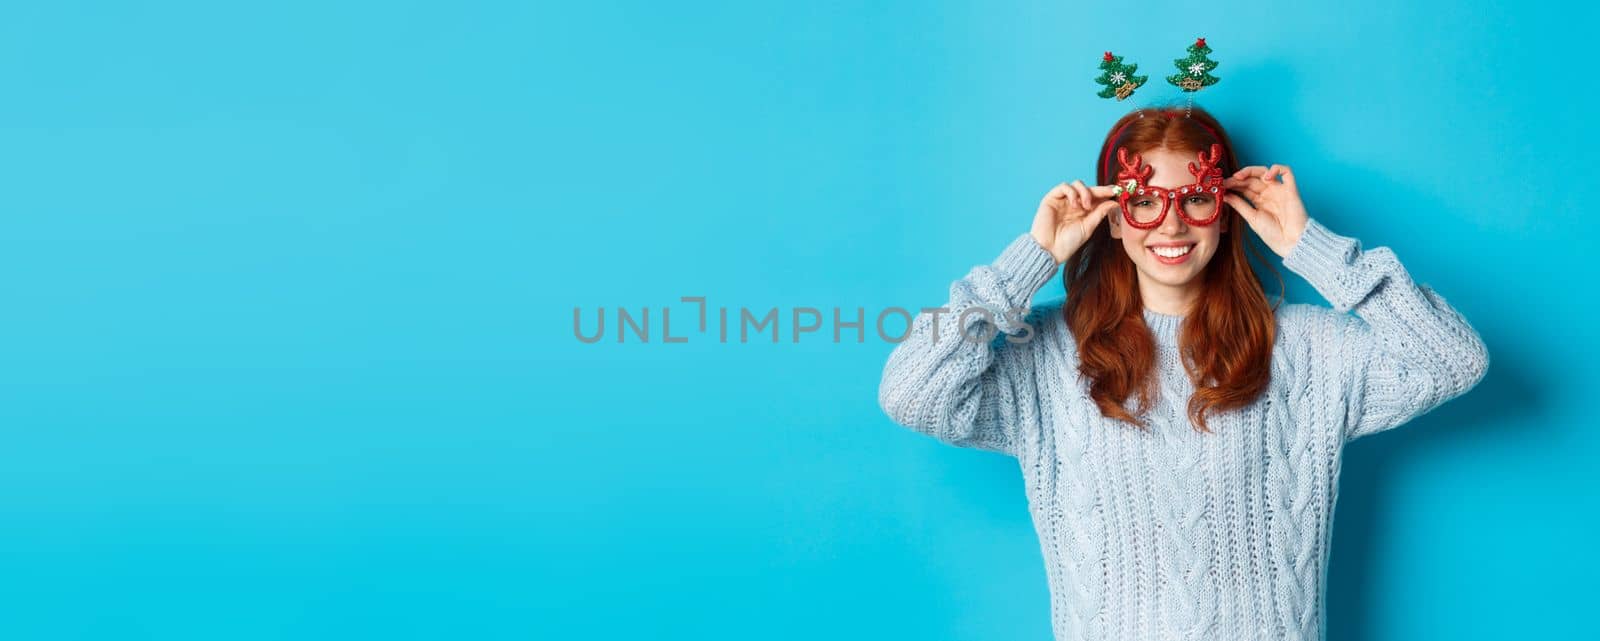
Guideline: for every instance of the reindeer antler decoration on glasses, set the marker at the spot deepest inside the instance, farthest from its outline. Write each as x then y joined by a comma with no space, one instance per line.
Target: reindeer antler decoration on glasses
1145,206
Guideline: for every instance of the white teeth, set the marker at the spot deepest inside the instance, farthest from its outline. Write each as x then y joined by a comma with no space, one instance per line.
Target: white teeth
1172,252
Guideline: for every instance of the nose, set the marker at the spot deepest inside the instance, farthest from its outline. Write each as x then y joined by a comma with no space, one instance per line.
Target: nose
1173,225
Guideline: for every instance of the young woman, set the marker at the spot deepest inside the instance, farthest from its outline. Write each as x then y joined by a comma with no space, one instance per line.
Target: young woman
1180,438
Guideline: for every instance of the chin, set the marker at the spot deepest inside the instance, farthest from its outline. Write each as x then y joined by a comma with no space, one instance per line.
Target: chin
1169,281
1174,275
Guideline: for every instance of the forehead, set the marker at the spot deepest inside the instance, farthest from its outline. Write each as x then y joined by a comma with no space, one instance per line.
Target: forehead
1171,167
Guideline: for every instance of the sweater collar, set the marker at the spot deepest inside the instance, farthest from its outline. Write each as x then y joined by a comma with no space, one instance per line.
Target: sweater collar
1163,326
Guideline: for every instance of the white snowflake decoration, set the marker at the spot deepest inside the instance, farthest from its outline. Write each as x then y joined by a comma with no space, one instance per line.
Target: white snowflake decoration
1197,68
1118,78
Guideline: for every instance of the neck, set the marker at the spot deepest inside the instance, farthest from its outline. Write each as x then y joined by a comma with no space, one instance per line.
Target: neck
1168,299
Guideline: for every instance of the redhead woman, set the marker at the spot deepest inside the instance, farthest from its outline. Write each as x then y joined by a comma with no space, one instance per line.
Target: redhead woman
1180,435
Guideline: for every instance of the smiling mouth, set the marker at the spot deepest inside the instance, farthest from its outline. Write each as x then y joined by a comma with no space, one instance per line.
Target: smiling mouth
1172,252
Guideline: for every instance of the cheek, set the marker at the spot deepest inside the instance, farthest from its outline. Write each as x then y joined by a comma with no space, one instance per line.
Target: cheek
1133,242
1213,237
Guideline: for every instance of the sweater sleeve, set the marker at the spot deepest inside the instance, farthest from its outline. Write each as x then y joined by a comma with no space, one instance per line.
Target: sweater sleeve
1405,351
958,374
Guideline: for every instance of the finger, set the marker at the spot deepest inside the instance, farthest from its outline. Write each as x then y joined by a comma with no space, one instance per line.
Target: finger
1250,188
1084,198
1249,172
1103,210
1239,205
1069,196
1288,175
1059,191
1274,172
1103,191
1092,218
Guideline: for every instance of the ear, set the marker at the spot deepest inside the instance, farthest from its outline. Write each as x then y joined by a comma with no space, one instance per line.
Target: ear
1114,217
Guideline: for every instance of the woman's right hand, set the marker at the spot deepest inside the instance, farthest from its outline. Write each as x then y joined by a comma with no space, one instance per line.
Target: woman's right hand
1068,215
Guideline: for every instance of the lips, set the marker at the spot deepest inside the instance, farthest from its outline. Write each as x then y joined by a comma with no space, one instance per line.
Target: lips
1171,254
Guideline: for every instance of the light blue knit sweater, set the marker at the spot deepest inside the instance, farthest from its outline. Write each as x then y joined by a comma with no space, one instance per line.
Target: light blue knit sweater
1173,533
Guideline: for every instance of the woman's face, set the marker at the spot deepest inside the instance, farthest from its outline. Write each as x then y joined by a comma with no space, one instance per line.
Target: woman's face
1171,172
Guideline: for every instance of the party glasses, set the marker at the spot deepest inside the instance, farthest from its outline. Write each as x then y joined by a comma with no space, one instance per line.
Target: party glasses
1144,206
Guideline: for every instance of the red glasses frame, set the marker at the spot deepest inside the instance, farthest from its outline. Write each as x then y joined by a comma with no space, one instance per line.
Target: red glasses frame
1131,182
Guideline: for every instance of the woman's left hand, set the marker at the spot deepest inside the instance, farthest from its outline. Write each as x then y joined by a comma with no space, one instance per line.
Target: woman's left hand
1278,216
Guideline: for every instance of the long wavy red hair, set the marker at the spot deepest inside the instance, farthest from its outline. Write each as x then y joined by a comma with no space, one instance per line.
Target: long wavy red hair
1225,341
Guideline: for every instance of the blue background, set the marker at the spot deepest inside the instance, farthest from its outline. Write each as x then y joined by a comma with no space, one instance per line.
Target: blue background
288,342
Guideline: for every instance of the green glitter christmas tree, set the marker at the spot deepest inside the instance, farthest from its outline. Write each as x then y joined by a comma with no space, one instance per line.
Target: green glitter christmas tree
1195,70
1118,78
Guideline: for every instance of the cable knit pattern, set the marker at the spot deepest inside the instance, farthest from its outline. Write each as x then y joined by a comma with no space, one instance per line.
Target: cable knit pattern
1171,533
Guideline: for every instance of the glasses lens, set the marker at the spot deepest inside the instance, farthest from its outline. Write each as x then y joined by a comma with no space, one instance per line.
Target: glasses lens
1146,207
1200,206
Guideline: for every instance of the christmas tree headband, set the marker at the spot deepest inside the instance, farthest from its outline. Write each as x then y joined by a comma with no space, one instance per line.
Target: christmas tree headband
1145,206
1194,73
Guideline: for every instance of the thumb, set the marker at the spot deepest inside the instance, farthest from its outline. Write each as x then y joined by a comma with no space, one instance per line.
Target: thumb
1097,215
1100,211
1244,208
